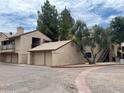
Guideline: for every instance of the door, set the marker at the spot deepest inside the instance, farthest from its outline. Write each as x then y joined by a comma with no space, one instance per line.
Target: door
7,58
14,58
38,58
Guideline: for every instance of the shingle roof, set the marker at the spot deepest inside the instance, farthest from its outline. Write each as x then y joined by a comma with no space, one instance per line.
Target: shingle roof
15,36
6,34
50,46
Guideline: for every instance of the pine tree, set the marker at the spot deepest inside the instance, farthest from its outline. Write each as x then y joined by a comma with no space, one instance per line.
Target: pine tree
47,21
65,23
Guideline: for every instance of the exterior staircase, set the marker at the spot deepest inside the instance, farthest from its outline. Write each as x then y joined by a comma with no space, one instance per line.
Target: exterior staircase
103,55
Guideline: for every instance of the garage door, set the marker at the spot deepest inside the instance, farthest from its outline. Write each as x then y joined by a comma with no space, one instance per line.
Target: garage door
10,58
7,58
38,58
15,58
1,58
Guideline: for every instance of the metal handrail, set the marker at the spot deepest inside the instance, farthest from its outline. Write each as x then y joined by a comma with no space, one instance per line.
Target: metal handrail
103,55
7,47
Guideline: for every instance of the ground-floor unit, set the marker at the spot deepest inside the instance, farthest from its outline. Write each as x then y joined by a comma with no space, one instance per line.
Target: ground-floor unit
12,57
9,57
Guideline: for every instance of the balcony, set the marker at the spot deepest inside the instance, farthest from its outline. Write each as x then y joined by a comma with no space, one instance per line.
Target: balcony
7,48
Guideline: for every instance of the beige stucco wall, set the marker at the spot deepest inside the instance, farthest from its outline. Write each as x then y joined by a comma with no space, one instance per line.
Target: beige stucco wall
68,54
25,45
17,45
26,40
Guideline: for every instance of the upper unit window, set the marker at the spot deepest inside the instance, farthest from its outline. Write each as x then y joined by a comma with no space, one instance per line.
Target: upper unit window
122,49
8,42
35,42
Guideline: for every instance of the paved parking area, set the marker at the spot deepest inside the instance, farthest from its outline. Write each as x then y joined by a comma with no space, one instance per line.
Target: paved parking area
109,79
41,79
37,79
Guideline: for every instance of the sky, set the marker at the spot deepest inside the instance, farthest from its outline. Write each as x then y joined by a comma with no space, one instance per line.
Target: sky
14,13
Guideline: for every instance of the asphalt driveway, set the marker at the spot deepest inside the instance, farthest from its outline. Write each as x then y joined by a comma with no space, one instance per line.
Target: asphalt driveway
41,79
37,79
109,79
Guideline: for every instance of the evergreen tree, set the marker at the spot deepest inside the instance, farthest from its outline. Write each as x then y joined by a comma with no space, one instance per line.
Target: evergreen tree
47,21
65,23
117,26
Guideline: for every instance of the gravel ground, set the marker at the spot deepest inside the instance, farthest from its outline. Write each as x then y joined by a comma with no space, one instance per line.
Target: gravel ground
108,79
37,79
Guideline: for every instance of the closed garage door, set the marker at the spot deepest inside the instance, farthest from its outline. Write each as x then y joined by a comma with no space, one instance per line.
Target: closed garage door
7,58
15,58
38,58
10,58
1,58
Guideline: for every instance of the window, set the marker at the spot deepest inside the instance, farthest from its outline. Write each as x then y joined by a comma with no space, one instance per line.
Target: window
88,54
35,42
122,56
5,42
119,54
122,49
9,42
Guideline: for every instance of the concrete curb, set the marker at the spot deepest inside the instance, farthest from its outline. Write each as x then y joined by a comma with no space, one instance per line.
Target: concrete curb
80,66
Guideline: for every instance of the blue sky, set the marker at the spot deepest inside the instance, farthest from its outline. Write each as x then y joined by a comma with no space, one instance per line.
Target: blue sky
14,13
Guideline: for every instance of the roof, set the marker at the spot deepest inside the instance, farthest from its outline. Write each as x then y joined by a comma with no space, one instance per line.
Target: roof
15,36
6,34
50,46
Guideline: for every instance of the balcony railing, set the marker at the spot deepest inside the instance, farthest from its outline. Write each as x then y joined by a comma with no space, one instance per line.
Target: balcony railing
7,48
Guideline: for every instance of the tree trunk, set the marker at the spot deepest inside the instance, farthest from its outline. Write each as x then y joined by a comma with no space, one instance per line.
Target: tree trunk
83,53
110,54
94,56
94,60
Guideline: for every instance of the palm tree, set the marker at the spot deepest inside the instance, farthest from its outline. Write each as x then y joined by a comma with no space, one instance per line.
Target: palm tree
79,34
98,37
